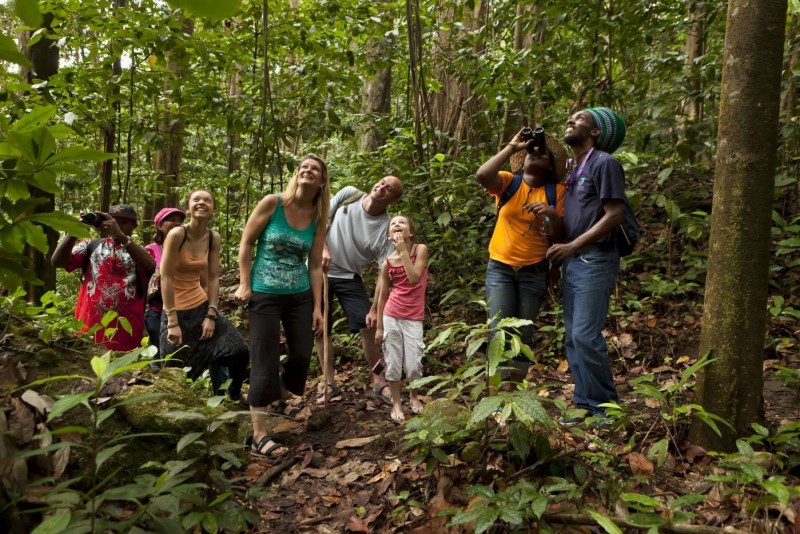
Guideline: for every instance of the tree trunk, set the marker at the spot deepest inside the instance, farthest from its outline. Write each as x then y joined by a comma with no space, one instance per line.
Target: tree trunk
43,56
734,316
167,160
376,102
109,130
695,49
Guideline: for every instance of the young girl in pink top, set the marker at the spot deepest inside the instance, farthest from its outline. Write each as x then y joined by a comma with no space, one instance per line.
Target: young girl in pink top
401,308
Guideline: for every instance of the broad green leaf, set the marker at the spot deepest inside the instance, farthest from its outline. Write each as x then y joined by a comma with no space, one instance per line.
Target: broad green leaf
520,439
100,364
484,409
67,402
605,522
34,118
45,143
62,223
638,498
210,9
10,52
34,236
28,11
139,398
16,189
46,181
105,454
53,524
188,439
77,153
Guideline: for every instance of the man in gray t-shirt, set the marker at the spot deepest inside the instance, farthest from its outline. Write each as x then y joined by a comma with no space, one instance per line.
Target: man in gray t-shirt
357,236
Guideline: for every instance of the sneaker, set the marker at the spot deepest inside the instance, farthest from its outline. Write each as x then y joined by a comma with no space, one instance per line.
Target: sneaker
568,421
600,422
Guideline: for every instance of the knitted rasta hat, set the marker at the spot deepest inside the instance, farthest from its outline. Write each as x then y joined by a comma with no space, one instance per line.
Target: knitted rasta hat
553,145
612,128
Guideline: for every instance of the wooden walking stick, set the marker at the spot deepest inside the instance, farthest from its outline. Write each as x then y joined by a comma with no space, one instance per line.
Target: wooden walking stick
325,355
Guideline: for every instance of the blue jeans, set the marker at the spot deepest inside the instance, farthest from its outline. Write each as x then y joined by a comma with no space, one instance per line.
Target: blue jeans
589,279
515,293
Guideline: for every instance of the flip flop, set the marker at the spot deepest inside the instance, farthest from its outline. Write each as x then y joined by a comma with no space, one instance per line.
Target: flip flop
376,394
281,409
258,450
334,394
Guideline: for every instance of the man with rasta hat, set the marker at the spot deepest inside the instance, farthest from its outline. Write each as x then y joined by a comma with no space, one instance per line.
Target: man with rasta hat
115,272
593,209
530,203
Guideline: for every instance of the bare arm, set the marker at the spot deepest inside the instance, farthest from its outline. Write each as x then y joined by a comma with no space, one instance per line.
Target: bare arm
169,260
61,254
209,324
487,173
414,270
253,229
381,294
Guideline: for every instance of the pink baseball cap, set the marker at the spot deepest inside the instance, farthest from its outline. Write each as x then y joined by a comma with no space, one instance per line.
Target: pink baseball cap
166,212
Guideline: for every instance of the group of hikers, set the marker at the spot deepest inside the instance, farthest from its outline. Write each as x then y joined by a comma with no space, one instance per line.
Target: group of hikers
301,239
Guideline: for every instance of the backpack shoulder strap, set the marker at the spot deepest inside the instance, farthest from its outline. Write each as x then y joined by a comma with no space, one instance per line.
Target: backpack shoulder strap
346,201
550,191
510,191
87,256
185,236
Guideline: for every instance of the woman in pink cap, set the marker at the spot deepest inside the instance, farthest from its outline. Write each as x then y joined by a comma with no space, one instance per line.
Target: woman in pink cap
164,221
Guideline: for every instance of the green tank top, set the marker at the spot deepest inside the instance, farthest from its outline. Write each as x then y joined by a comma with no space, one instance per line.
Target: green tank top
280,265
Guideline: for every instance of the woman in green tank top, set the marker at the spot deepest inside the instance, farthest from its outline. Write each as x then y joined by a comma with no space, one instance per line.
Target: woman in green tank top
287,230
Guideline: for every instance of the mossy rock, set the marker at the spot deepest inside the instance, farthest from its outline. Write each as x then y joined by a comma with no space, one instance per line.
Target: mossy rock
472,452
447,411
153,415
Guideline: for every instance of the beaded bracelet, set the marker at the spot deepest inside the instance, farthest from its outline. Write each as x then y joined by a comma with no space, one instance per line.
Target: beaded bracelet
211,316
172,325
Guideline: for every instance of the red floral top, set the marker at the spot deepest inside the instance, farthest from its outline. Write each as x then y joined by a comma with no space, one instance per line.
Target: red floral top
112,281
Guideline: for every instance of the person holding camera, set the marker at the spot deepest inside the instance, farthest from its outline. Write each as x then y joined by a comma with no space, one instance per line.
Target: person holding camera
115,271
530,204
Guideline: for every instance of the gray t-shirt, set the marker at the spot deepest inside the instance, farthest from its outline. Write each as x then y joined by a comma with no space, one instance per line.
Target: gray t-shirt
601,179
355,237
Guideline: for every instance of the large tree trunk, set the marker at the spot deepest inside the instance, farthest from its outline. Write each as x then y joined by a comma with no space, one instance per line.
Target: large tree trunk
734,316
109,129
376,100
167,160
455,103
43,56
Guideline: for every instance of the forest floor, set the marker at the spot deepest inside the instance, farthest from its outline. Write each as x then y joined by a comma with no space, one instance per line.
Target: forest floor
348,470
352,474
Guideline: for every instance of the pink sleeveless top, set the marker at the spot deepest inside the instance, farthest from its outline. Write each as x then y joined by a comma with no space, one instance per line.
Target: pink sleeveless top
406,301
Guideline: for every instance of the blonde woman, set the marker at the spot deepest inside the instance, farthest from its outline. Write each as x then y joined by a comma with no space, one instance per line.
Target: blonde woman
287,230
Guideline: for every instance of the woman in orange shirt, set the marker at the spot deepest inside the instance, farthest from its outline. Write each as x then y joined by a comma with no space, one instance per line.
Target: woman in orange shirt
527,224
192,328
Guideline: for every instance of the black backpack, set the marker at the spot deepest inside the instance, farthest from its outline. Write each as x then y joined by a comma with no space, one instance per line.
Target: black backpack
627,234
511,190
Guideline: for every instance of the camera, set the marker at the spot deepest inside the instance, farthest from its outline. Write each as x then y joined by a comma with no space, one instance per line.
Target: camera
93,218
537,136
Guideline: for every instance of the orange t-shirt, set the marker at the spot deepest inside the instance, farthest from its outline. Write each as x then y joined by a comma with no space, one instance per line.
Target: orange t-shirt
518,239
189,293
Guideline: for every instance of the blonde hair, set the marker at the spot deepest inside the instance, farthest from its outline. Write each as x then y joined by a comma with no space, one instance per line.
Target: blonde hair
322,200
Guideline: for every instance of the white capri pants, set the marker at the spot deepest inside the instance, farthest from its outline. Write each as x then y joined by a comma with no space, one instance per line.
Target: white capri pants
403,344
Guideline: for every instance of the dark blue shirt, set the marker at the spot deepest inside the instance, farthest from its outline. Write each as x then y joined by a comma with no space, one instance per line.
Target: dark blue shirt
601,179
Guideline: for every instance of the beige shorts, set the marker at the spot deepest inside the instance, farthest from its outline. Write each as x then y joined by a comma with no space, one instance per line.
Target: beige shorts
403,344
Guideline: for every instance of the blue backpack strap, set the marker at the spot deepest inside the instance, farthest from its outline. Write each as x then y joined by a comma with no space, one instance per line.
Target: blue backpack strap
510,191
550,191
